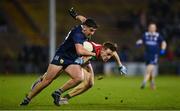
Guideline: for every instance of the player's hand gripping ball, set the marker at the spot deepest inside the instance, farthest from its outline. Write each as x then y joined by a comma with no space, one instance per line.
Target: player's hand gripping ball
82,60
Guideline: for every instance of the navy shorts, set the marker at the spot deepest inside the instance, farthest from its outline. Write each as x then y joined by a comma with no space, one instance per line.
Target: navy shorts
60,61
151,59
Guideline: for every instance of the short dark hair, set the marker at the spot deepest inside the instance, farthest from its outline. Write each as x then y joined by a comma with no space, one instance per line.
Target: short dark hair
110,45
90,23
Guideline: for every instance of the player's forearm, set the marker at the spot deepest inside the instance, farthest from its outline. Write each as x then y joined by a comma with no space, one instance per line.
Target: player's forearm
163,45
82,51
81,18
116,57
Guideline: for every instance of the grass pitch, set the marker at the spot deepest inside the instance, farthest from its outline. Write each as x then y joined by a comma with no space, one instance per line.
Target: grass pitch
109,93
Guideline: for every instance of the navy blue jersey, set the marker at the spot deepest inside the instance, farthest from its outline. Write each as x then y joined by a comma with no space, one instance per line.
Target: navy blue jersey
152,43
66,52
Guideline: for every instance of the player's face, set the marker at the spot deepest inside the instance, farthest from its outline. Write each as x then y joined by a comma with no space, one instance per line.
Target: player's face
89,31
106,54
152,28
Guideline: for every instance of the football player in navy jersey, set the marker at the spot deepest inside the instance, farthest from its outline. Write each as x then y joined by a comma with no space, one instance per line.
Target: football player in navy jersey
154,45
65,57
103,53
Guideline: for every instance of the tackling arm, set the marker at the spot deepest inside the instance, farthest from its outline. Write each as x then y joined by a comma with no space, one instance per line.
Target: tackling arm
82,51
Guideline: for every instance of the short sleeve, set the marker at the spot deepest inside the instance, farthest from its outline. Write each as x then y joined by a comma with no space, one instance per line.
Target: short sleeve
78,38
143,37
160,39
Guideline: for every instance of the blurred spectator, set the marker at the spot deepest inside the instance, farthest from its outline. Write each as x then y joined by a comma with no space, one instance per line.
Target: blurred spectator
169,54
7,64
177,51
3,23
33,59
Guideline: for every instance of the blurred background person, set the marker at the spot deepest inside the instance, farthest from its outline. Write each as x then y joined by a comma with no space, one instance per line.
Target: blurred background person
154,45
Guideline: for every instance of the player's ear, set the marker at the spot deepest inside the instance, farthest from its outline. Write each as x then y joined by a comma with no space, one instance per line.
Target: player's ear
84,27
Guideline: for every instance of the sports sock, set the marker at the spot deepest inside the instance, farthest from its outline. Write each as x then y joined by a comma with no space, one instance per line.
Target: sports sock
60,91
35,83
28,99
144,83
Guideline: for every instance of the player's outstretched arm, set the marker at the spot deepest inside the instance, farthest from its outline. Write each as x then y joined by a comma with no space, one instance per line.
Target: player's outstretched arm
116,57
121,67
75,15
81,18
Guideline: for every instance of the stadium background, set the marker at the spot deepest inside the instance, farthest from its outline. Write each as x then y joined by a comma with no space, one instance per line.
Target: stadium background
24,30
24,44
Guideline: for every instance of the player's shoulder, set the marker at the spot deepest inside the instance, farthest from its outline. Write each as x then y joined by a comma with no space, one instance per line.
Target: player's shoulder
77,31
157,34
77,28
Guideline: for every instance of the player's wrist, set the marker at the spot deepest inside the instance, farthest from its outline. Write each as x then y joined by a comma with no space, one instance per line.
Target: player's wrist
162,51
73,13
120,65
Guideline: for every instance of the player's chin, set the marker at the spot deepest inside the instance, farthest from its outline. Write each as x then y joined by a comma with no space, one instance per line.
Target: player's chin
105,60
